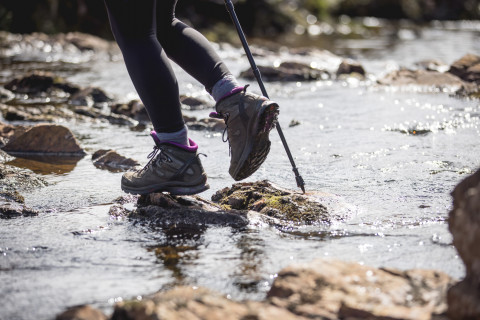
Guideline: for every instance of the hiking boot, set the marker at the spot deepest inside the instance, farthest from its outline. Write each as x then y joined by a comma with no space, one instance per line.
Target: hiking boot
249,119
173,168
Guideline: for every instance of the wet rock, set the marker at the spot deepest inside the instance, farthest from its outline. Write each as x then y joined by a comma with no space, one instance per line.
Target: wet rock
40,83
193,103
349,67
328,289
33,83
134,109
272,201
421,79
112,161
163,210
85,41
467,68
294,123
12,181
317,290
433,65
209,124
6,95
81,313
468,92
197,303
288,71
9,132
89,97
464,224
39,113
45,139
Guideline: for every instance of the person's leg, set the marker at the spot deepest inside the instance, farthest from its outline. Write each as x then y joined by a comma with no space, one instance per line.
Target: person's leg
193,52
249,117
134,28
174,165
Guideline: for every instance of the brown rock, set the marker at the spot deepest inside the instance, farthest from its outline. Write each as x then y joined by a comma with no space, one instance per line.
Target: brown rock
112,161
288,71
349,67
464,224
82,313
277,203
330,289
32,83
467,68
134,109
422,79
45,139
89,97
193,103
197,303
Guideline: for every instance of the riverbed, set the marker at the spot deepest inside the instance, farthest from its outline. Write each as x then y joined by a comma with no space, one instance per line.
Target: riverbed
390,156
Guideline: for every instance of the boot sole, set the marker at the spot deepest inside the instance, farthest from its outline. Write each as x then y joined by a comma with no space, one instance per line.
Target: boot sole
173,190
258,146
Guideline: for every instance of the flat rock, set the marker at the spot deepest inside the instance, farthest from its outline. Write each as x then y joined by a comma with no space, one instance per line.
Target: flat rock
422,80
329,289
45,139
112,161
464,224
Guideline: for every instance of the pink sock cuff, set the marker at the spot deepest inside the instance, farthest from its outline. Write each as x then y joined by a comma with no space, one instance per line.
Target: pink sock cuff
193,147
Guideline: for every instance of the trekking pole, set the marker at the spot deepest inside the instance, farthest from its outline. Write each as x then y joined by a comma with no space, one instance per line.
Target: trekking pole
258,76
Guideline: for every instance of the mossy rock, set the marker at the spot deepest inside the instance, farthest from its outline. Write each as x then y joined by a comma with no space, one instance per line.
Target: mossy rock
265,198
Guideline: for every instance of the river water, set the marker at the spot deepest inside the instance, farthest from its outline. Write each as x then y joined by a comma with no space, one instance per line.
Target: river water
355,141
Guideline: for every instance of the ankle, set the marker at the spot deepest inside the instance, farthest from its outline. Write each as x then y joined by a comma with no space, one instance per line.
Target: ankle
225,87
180,137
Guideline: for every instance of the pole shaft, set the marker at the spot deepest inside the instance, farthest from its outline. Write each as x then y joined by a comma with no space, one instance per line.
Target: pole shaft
258,76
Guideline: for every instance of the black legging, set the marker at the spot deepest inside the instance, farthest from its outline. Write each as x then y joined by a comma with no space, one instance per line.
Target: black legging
147,32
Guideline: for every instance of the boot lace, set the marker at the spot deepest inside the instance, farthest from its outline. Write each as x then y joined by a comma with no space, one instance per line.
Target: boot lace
157,154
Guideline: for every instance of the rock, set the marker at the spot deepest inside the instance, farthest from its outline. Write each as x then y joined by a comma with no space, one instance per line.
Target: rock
322,289
163,210
467,68
13,180
38,82
39,113
85,41
134,109
81,313
433,65
329,289
349,67
45,139
193,103
294,123
32,83
209,124
197,303
270,200
422,79
9,132
112,161
464,224
6,95
89,97
288,71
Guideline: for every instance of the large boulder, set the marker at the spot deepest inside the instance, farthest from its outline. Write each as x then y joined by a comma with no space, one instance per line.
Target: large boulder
45,139
464,224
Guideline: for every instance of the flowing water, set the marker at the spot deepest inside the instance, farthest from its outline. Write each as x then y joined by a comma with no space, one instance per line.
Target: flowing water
391,156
